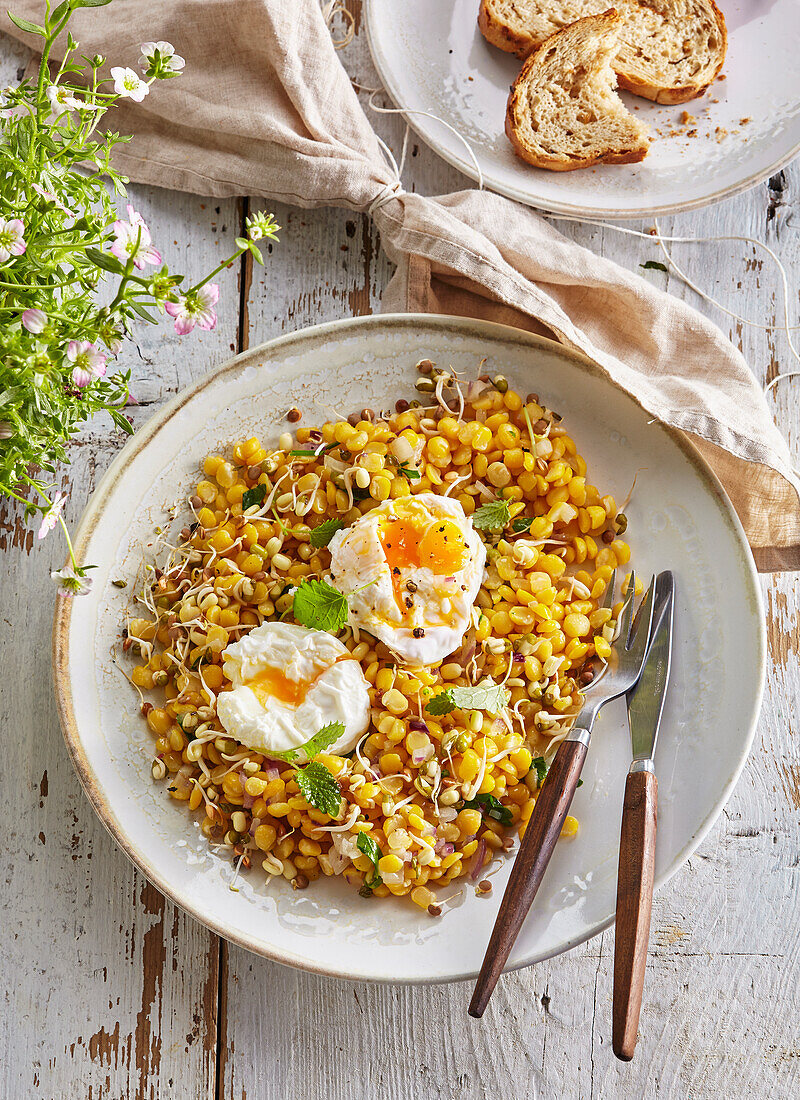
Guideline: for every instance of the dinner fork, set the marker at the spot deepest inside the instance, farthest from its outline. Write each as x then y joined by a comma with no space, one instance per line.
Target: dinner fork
618,676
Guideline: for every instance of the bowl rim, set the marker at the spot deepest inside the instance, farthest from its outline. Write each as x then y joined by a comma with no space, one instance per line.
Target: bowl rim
142,438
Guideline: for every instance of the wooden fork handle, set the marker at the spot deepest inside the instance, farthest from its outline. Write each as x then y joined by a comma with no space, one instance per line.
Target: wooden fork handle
535,850
637,850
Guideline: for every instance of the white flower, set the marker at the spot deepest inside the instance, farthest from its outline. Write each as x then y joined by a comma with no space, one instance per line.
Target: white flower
88,362
159,59
12,239
62,99
133,241
50,518
34,320
128,84
261,225
70,582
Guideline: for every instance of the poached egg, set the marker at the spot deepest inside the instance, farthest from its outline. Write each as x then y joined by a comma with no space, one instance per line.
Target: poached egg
289,682
412,568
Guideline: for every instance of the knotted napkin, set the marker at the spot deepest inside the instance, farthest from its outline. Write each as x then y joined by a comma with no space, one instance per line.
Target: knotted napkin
265,108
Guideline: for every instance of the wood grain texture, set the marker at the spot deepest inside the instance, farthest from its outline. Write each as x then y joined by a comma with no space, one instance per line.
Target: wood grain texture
637,857
112,993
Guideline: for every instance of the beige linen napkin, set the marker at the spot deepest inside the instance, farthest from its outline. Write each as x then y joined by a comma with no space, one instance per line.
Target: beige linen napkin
265,108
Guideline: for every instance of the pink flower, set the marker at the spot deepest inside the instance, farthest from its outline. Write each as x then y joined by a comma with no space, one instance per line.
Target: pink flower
51,196
128,84
89,362
196,308
71,582
34,320
133,241
50,518
12,241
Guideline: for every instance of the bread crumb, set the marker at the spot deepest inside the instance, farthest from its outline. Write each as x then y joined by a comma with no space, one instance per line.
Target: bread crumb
744,121
686,118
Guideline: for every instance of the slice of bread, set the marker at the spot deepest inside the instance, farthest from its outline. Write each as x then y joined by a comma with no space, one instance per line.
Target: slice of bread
669,50
563,112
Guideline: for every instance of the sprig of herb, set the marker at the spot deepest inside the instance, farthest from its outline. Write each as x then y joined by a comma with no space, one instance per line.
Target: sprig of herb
521,523
491,807
653,265
253,496
77,275
487,696
492,516
370,849
320,606
319,788
321,740
323,534
540,764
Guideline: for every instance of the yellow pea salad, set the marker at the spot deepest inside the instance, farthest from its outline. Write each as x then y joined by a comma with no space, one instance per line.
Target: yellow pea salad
360,652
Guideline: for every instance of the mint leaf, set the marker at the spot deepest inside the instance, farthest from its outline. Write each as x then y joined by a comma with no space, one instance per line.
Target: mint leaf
320,606
253,496
487,696
410,473
540,764
521,523
491,516
321,740
323,534
653,265
369,847
491,807
319,788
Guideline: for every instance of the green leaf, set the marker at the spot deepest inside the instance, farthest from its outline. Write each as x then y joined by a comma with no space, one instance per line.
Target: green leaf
321,740
411,474
89,3
26,25
323,534
256,251
319,788
369,847
654,265
491,516
491,807
320,606
253,496
55,17
105,261
487,696
540,764
521,523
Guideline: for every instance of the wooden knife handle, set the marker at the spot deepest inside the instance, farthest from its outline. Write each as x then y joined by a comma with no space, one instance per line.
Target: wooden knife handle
535,850
637,852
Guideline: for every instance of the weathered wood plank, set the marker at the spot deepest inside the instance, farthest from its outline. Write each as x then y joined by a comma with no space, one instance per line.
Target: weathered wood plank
110,990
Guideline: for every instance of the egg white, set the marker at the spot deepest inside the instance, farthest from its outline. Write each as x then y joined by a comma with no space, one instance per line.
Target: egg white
338,691
441,606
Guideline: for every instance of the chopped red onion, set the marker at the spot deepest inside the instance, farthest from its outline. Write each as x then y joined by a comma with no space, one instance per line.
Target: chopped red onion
477,861
418,725
254,824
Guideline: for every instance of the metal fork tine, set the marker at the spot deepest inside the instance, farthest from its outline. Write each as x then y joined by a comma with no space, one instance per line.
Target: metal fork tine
644,621
626,614
608,595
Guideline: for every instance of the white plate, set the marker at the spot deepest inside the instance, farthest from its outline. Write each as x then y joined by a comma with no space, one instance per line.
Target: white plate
679,518
431,57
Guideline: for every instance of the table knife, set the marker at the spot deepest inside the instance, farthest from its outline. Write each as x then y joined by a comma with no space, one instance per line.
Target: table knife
638,835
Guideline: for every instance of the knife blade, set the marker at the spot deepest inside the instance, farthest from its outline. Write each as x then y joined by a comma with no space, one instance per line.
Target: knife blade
646,699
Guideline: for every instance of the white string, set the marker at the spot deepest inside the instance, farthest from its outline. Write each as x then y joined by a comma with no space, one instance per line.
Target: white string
657,236
332,8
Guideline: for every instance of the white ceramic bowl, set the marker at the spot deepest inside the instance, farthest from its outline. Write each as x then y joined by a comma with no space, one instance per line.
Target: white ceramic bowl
431,57
678,518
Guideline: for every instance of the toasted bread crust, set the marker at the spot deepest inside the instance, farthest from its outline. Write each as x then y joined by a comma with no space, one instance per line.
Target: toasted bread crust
514,39
517,108
502,35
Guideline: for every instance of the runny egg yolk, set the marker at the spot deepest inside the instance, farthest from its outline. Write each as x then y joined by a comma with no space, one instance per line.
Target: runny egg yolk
408,544
271,683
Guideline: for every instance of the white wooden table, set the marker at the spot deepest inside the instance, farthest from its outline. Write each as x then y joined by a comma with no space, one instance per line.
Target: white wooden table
110,992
